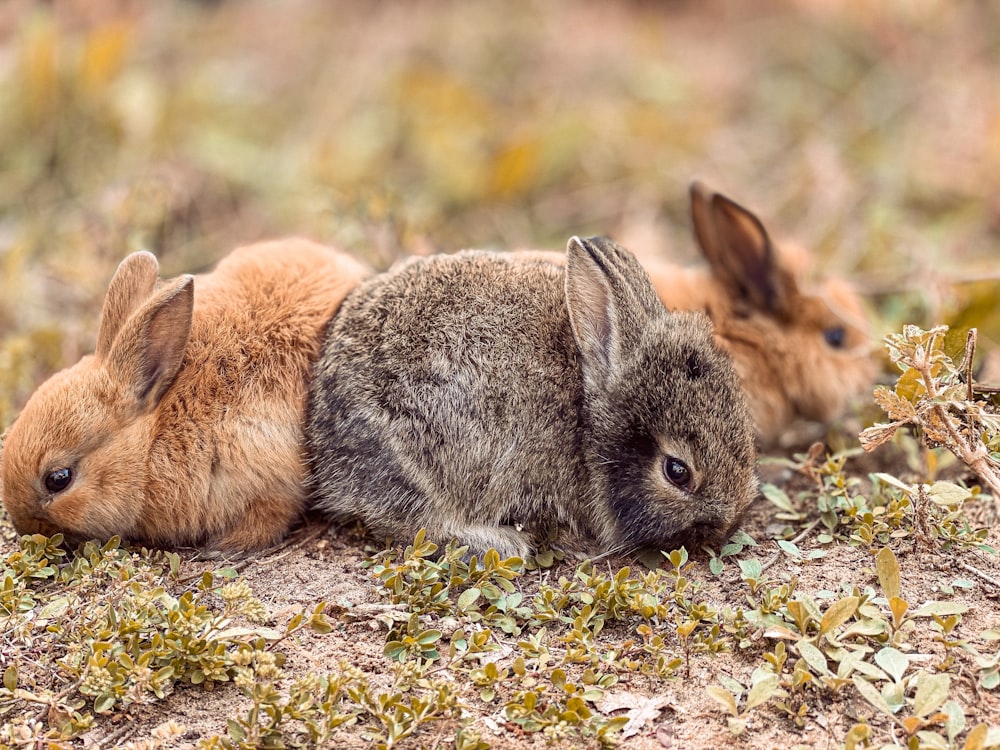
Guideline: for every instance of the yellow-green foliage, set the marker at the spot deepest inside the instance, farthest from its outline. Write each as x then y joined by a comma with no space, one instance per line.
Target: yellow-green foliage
106,633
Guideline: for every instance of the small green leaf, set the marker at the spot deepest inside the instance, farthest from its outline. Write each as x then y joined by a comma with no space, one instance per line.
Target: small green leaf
888,572
895,696
741,537
736,725
931,740
909,385
294,623
651,558
976,738
990,678
104,702
932,692
723,697
948,494
941,609
678,557
715,566
955,338
55,608
777,496
898,607
813,656
894,662
871,694
857,737
236,732
893,482
838,613
731,685
750,568
762,691
320,623
849,662
468,598
870,670
544,558
789,548
10,678
955,722
428,637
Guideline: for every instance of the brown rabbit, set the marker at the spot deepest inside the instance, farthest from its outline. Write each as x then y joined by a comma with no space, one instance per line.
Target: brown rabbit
508,401
798,354
185,425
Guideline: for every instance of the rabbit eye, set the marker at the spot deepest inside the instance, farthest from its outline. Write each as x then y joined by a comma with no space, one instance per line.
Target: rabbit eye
677,472
58,480
834,336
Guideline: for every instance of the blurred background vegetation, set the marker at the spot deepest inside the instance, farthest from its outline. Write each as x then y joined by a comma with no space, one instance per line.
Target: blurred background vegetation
867,131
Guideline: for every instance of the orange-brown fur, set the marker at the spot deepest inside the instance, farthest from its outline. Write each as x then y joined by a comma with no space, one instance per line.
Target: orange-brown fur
772,328
212,455
775,331
787,369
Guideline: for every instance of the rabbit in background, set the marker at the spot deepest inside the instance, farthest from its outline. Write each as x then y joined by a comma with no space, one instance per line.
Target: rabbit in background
799,354
511,402
185,425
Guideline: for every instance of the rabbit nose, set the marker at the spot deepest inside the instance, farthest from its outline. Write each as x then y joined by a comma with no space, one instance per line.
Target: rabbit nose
34,525
713,529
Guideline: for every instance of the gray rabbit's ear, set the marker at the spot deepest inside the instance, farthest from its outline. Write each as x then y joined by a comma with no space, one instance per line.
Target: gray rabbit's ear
609,298
149,348
130,287
740,253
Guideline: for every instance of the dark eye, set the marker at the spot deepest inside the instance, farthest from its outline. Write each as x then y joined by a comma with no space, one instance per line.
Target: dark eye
677,472
834,336
58,480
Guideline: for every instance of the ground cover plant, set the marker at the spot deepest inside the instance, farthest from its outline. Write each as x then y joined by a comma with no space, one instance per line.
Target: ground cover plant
857,606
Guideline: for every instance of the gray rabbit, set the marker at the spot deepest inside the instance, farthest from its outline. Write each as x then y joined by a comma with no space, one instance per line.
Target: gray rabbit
512,402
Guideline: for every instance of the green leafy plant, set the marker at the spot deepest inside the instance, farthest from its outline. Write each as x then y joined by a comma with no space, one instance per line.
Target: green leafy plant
936,393
111,635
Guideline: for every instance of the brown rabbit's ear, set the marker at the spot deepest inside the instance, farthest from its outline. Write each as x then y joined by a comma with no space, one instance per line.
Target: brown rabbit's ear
130,287
739,251
150,346
609,298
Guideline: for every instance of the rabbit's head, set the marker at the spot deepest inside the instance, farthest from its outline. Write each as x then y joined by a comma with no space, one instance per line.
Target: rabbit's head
75,460
669,423
799,354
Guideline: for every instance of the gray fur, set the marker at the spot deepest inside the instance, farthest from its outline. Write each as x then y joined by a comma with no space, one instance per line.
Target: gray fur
509,402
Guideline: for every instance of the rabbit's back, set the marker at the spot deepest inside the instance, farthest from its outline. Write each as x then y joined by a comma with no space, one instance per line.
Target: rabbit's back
231,424
448,397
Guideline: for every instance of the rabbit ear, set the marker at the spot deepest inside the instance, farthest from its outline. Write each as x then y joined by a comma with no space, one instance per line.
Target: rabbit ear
150,346
609,298
736,246
131,285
